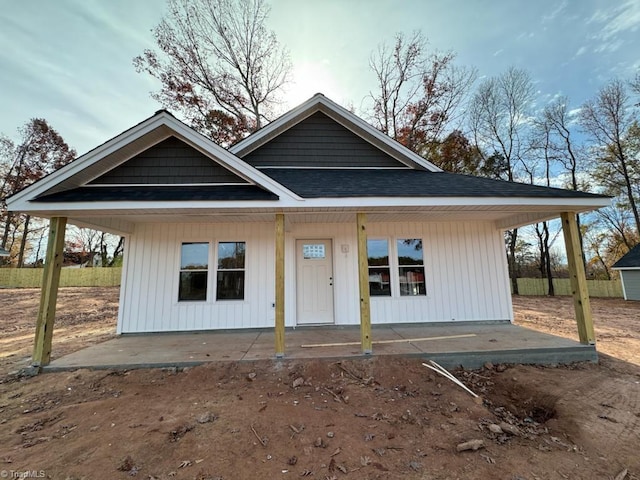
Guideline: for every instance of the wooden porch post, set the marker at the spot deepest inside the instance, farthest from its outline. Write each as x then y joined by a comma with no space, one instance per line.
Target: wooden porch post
363,274
578,278
49,292
279,326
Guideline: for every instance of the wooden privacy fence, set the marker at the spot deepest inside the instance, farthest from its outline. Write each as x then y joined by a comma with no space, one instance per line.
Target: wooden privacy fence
110,277
69,277
562,286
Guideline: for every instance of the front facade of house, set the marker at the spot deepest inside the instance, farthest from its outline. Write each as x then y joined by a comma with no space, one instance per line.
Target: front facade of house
316,219
459,274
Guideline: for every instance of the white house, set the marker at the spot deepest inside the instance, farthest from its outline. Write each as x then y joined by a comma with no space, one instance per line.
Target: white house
315,219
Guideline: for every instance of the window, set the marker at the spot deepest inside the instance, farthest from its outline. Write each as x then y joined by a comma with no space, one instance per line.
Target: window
378,260
411,267
194,266
230,271
313,251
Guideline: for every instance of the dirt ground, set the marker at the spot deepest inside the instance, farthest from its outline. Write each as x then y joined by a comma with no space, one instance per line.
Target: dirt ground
377,418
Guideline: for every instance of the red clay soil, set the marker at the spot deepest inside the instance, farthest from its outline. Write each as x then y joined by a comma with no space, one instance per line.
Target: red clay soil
379,418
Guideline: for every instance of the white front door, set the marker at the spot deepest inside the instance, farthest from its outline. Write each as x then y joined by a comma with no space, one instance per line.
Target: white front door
314,282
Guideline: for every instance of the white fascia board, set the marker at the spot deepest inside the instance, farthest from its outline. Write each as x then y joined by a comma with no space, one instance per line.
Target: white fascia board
625,268
569,203
340,114
362,203
206,146
125,207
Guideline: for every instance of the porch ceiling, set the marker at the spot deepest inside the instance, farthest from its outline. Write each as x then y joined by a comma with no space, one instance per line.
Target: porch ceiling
504,216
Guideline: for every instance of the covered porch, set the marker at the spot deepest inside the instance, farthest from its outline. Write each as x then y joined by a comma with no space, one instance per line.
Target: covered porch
466,344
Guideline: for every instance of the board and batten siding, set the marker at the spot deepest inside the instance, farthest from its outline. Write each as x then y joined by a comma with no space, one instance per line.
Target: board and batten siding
171,161
465,273
149,291
631,284
319,141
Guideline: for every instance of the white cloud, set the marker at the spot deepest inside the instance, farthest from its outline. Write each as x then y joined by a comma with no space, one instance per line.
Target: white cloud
613,22
555,13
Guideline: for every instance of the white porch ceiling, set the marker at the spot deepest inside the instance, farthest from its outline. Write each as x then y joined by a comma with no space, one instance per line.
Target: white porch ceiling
504,216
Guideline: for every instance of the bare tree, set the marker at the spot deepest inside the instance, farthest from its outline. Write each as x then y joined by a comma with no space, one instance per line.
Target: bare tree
418,92
556,118
635,85
541,145
498,117
610,235
219,65
39,151
607,119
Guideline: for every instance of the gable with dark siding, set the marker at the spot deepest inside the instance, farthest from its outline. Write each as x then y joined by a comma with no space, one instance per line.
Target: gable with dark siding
321,142
170,162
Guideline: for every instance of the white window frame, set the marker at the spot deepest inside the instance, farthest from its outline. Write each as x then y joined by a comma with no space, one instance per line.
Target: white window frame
394,266
180,270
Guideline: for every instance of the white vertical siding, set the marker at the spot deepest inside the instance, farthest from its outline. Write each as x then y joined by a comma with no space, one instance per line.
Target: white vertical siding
465,274
151,279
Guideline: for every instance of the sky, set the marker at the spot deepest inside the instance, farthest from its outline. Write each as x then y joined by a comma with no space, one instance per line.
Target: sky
70,61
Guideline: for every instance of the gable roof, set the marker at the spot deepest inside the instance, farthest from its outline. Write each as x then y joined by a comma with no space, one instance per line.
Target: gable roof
320,103
630,260
100,189
143,136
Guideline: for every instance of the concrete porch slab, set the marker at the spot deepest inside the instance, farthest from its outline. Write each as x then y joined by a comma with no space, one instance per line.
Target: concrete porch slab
470,345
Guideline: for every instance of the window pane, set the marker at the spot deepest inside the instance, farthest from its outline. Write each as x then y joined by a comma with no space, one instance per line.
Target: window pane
230,285
379,284
193,286
194,256
412,281
231,255
313,250
410,251
378,252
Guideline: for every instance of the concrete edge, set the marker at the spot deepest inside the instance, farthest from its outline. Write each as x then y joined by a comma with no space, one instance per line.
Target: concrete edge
467,360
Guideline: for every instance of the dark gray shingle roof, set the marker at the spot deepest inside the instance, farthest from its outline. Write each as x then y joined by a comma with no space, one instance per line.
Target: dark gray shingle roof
317,183
166,194
631,259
